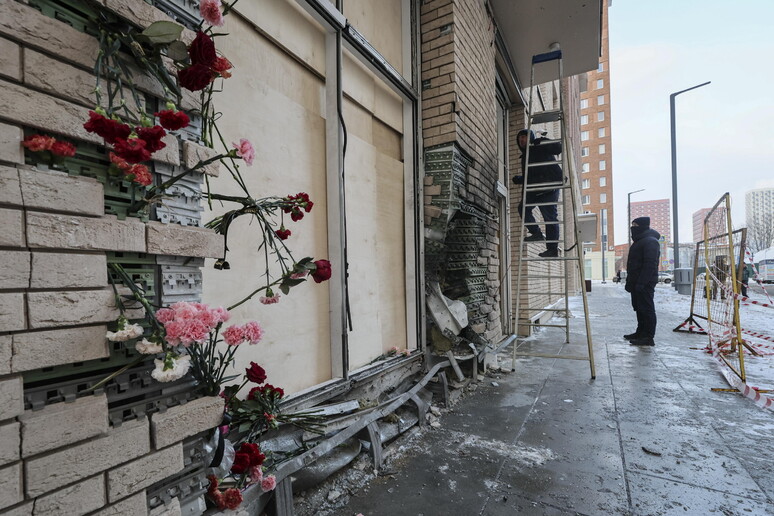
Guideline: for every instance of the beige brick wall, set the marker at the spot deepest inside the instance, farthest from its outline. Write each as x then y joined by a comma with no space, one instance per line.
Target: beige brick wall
459,105
55,299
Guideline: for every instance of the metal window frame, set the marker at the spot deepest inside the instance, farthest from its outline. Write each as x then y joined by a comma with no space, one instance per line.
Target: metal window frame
340,34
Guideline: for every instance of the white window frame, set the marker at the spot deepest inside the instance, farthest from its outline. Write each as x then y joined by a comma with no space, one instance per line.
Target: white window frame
600,116
602,149
584,152
603,198
586,199
600,100
585,168
584,119
586,183
602,164
603,181
584,103
600,84
601,132
584,136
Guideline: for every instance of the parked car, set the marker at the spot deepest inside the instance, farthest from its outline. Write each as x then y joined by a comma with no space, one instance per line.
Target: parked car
666,277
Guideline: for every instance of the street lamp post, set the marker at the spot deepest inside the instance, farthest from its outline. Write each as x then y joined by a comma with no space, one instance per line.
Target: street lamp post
629,213
676,232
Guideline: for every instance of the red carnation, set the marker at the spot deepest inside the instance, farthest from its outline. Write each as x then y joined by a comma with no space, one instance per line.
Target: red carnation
173,120
132,150
231,499
241,463
63,149
202,50
254,452
141,175
296,214
322,272
222,67
195,77
110,130
39,142
308,206
152,137
255,373
282,233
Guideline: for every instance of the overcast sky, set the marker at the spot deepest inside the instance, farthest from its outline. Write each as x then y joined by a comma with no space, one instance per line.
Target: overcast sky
725,130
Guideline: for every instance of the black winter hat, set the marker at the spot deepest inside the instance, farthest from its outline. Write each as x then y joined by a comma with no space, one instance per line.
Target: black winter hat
642,222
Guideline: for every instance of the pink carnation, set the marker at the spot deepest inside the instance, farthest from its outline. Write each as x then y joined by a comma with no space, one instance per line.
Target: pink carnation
245,150
165,315
268,483
270,300
253,332
234,335
223,315
186,331
210,10
256,475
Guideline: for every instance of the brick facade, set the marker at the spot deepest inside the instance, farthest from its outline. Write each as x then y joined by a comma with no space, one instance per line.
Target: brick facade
460,138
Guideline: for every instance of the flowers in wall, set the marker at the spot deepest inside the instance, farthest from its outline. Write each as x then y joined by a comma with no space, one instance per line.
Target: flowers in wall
50,150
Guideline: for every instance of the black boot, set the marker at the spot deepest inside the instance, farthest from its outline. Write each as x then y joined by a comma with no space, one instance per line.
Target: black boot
549,253
534,237
642,341
631,336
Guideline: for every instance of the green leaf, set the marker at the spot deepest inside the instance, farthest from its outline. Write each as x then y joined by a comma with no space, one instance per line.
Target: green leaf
177,51
163,32
284,289
244,427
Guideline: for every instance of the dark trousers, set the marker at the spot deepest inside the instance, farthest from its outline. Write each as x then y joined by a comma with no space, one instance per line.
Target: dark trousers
642,302
549,213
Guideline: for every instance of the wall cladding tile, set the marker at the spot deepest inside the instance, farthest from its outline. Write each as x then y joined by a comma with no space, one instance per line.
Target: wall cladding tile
15,271
11,228
10,144
69,308
175,240
59,192
10,59
11,397
62,424
62,467
10,440
33,350
144,472
59,270
12,312
193,153
135,505
186,420
79,498
10,189
11,485
70,232
6,352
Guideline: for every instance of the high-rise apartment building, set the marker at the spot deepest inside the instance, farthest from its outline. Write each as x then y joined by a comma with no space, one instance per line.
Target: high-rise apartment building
758,205
597,155
698,224
659,213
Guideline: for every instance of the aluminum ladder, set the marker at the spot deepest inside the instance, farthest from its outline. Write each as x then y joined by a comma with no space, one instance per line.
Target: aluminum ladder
568,202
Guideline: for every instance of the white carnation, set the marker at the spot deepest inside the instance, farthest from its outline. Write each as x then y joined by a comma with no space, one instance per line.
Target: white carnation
147,347
130,331
180,366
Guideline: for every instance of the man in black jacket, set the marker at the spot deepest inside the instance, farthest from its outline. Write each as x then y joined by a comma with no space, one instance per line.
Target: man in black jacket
542,150
641,279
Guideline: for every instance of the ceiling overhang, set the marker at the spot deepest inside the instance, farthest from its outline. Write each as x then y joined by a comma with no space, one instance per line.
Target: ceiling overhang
530,27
